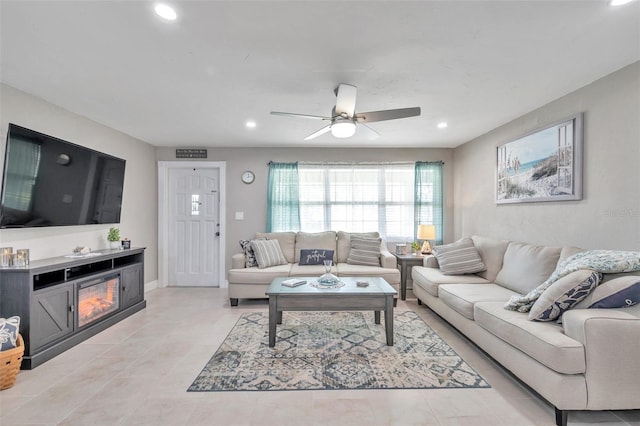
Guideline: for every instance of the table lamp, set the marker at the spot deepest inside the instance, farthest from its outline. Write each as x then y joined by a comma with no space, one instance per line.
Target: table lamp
426,233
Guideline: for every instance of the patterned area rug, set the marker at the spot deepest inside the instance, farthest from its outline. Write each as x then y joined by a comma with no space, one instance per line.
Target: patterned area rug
334,350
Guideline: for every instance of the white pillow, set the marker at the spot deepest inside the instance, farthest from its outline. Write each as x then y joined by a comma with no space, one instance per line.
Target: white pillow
564,294
268,253
459,258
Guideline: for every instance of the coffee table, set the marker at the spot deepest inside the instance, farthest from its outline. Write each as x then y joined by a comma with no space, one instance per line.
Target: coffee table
378,296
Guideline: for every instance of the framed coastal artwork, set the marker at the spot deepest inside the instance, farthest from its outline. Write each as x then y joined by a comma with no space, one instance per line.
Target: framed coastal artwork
544,165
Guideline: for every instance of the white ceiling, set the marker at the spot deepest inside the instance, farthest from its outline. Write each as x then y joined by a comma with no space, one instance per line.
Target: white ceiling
195,82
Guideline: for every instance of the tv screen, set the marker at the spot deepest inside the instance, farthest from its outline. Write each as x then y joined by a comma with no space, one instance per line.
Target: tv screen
51,182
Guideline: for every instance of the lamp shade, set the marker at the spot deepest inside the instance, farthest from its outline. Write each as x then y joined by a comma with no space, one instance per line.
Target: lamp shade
426,232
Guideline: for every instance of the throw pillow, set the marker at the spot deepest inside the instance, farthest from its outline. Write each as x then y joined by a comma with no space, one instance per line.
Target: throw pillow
459,258
9,329
563,294
315,256
249,255
617,293
268,253
364,251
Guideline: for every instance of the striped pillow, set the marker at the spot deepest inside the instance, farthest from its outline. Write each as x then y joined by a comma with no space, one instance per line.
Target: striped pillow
268,253
458,258
364,251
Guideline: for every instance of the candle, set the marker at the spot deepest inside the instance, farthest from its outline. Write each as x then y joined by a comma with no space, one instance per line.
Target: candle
6,256
22,257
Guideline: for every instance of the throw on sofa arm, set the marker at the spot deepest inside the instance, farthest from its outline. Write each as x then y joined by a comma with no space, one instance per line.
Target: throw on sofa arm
611,339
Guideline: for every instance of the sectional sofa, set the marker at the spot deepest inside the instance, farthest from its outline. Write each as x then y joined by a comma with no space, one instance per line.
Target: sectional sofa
586,360
252,282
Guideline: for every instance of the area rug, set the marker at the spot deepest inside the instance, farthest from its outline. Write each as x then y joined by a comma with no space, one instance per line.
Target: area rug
334,350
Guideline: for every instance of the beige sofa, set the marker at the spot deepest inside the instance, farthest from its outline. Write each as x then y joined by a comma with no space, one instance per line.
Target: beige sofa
587,362
252,283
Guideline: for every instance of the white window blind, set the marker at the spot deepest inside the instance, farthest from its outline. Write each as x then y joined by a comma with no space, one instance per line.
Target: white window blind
358,198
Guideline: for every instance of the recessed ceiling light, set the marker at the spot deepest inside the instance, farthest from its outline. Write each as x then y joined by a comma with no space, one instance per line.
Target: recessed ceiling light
250,124
619,2
165,12
442,125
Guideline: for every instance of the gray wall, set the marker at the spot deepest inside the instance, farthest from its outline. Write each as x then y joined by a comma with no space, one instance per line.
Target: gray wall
252,199
139,220
607,217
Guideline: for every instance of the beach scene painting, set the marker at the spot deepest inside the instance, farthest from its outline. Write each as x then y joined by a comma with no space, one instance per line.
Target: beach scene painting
545,165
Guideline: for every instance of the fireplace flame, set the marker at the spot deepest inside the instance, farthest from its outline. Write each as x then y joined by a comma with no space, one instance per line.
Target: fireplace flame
97,301
93,307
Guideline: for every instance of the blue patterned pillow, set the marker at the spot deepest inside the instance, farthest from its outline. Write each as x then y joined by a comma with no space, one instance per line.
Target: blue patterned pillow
315,256
563,294
249,255
617,293
9,329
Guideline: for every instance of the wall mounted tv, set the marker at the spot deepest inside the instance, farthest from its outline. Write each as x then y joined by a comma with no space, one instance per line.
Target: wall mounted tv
51,182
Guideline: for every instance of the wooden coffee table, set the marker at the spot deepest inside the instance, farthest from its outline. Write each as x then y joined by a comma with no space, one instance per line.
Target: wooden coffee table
378,296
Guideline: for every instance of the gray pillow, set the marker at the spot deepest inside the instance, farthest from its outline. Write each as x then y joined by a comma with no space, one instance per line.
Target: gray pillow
459,258
364,251
268,253
315,256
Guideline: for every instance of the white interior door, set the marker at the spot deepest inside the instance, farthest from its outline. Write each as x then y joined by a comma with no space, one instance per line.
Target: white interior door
193,227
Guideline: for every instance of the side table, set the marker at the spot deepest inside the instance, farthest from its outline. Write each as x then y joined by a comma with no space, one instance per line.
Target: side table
405,262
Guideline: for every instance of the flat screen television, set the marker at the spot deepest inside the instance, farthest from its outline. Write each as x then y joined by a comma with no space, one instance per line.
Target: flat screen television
51,182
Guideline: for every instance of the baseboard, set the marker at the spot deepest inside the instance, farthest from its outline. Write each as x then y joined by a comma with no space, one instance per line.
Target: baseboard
151,285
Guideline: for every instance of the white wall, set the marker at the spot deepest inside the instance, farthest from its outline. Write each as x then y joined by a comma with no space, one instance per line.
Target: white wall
607,217
139,211
252,199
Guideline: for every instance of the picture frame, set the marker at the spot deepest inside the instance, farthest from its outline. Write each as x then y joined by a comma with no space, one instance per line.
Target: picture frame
543,165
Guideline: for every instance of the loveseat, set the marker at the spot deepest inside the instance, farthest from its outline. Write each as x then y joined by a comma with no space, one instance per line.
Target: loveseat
577,359
252,282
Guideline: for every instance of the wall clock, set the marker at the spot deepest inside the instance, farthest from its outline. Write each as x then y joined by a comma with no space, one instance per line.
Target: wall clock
248,177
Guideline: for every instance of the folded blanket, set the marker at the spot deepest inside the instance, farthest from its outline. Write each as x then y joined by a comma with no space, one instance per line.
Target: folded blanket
604,261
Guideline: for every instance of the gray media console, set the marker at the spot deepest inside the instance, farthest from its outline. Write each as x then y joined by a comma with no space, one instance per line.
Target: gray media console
62,301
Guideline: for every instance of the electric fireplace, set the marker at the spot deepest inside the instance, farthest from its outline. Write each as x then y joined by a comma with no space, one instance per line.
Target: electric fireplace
97,298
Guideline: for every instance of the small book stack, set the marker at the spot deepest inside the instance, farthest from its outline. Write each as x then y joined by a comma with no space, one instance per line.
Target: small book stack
293,282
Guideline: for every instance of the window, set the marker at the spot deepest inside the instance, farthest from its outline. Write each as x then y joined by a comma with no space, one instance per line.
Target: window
21,175
389,198
358,198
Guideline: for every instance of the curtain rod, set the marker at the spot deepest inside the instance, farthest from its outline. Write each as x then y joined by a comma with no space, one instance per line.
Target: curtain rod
346,163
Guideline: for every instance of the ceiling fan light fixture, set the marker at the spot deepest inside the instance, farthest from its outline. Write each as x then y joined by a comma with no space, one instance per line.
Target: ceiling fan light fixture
165,12
343,128
619,2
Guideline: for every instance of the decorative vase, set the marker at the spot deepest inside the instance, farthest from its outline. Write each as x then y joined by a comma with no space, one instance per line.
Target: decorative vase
114,245
328,278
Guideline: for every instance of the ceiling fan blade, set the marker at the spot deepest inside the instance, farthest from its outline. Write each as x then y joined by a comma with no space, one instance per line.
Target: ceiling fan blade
292,114
346,100
388,114
318,133
367,132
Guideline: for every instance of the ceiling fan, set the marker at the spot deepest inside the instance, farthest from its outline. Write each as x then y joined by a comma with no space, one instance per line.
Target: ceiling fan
344,119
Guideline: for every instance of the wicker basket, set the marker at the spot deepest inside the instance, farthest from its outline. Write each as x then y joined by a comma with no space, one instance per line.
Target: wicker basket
10,364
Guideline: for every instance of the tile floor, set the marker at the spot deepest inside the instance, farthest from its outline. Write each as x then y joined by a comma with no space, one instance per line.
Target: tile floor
137,373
